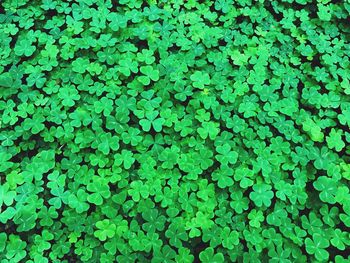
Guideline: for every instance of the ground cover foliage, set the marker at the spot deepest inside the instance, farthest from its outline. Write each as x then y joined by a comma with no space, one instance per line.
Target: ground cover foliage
174,131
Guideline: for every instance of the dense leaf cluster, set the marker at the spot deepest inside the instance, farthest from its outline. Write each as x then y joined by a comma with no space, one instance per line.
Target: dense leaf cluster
174,131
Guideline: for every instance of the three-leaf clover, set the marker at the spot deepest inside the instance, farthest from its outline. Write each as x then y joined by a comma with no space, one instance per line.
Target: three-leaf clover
261,194
108,142
317,246
328,188
226,155
223,176
210,129
106,229
100,190
152,120
200,79
255,216
334,140
209,256
78,201
125,157
138,190
24,47
149,74
7,196
80,65
69,95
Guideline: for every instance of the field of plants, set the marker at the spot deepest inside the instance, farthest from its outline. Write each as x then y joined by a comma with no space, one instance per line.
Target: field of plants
168,131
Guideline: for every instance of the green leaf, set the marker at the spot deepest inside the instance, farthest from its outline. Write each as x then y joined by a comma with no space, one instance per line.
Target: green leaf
200,79
6,196
316,246
334,140
106,229
208,256
261,195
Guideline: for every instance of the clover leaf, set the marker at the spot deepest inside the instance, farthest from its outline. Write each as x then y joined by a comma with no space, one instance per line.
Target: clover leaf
6,195
149,74
152,120
174,131
125,157
200,79
334,140
24,47
210,129
316,246
261,195
106,229
99,189
226,155
208,255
